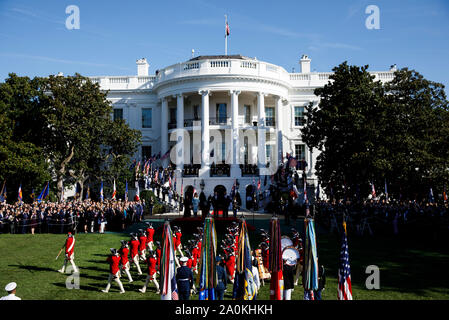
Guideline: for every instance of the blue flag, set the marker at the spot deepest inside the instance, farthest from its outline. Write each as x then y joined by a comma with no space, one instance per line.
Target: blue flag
44,194
101,192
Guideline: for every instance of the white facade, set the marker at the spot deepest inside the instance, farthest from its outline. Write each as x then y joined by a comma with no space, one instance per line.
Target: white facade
243,91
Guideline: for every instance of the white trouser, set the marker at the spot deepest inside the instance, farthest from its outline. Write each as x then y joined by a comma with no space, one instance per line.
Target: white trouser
153,279
287,294
179,249
102,225
92,226
142,255
150,245
126,269
116,278
71,258
136,263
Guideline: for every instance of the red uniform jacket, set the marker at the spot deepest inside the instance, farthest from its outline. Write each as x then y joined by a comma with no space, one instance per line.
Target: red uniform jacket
124,255
158,255
113,264
266,257
195,255
143,242
150,234
134,248
230,266
178,239
190,263
69,245
151,262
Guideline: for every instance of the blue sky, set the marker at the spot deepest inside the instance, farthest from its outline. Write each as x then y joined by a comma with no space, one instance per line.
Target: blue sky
113,34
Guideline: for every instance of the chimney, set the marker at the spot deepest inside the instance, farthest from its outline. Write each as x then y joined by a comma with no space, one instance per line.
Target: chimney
305,64
142,67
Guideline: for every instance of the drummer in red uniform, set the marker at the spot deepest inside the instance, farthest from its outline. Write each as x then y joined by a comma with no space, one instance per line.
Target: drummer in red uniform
230,266
114,271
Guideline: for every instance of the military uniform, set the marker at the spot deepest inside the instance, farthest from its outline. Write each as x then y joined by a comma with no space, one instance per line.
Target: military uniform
69,253
114,271
184,280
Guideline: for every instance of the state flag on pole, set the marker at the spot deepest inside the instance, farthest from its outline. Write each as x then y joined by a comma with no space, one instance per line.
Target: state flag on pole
373,191
126,190
444,194
228,32
19,194
101,192
114,192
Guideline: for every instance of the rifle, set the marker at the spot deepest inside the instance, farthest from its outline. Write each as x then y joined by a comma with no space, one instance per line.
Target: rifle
59,253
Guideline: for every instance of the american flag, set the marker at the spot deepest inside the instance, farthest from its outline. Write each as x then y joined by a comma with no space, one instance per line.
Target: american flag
344,272
373,191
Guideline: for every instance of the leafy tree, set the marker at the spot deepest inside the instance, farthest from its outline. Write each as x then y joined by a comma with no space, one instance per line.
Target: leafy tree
345,128
368,132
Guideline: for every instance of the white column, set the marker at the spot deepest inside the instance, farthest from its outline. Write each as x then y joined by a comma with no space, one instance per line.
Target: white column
279,128
235,132
205,139
164,126
261,161
180,132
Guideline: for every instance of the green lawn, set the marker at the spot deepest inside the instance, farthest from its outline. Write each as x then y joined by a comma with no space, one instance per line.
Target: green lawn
408,269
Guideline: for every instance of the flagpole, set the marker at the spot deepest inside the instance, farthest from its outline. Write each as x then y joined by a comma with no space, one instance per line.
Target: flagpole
226,36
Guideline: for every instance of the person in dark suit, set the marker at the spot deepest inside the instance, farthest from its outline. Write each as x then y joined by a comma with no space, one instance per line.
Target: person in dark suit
184,279
288,271
221,276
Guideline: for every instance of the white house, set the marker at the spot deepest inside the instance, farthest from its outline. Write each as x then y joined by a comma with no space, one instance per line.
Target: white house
250,111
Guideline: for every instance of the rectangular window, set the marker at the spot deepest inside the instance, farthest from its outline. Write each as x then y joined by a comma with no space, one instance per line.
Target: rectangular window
223,152
268,152
195,112
299,116
247,111
118,114
172,115
221,114
269,117
146,153
300,151
147,118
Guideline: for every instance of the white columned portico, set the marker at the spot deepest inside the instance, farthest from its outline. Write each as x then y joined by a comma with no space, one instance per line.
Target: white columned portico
164,126
261,153
180,132
235,170
205,138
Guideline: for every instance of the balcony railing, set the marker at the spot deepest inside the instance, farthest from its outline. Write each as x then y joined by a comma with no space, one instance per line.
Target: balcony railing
191,170
270,122
249,170
220,121
220,170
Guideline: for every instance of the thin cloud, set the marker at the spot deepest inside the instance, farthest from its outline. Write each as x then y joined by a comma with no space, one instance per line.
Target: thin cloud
65,61
334,45
36,15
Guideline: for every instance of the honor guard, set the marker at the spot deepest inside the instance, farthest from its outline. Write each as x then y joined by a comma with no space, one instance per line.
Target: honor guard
114,271
184,279
142,244
178,235
124,261
151,264
11,289
69,253
158,255
230,267
150,234
134,252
